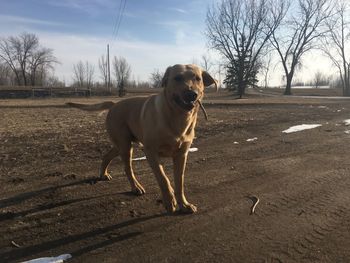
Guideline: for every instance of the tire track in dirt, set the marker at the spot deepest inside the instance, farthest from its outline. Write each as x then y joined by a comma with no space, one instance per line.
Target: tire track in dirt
304,247
317,191
316,211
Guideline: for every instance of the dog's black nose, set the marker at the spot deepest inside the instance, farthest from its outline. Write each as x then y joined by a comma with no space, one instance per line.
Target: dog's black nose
190,95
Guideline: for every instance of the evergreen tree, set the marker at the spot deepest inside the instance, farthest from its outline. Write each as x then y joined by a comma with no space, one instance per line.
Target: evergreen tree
241,71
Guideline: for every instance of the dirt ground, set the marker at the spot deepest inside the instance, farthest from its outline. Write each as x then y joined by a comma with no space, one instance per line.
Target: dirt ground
50,203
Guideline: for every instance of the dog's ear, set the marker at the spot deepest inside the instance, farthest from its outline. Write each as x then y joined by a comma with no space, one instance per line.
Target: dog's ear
208,80
166,77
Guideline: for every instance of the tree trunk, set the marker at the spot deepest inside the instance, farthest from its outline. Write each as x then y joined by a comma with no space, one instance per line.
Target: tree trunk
346,92
241,89
288,90
346,83
24,75
18,79
346,89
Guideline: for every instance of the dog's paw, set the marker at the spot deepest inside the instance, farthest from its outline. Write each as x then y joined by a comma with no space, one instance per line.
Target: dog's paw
105,177
138,190
170,206
188,208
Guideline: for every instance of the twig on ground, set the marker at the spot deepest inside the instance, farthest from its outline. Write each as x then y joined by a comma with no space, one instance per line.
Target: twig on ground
255,200
15,244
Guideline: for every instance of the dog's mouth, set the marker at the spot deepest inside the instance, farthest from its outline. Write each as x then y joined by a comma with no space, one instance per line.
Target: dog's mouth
189,105
186,105
186,99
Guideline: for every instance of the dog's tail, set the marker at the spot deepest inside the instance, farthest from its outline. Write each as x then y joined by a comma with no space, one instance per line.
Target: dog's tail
92,107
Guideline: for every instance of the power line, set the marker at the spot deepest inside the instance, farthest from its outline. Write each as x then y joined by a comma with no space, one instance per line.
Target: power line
115,32
118,11
119,18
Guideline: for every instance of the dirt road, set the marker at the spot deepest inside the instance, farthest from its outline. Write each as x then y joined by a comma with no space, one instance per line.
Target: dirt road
50,205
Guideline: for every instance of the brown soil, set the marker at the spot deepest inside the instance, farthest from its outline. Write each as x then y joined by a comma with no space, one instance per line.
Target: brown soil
51,205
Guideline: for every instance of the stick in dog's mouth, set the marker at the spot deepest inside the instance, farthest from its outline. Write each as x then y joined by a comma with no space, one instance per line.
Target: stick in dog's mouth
204,111
183,104
190,106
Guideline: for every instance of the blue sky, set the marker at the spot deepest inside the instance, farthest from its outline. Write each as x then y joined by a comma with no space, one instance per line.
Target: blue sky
152,34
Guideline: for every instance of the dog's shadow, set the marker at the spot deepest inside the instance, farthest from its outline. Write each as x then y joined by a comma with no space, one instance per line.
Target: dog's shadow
95,235
98,238
28,195
20,198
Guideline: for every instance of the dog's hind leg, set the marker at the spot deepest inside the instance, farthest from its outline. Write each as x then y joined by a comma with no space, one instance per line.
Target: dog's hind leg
107,158
126,155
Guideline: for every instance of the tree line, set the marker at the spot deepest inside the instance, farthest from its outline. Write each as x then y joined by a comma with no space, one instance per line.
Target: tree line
246,33
24,62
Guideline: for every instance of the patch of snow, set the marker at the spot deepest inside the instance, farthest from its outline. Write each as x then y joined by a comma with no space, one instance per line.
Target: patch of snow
311,87
235,142
347,132
252,139
322,107
139,158
347,122
193,149
58,259
301,127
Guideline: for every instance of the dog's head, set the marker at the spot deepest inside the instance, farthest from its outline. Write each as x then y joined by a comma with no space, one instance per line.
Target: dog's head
184,85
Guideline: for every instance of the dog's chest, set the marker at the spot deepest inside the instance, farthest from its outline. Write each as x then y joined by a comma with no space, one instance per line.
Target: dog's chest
173,145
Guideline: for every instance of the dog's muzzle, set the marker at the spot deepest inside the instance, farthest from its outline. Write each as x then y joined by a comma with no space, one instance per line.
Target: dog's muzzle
187,100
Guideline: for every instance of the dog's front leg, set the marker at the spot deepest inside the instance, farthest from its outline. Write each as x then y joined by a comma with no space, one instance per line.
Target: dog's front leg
169,200
179,173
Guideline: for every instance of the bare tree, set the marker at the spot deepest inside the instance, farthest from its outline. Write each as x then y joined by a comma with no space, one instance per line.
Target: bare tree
24,56
24,46
320,79
122,71
5,74
206,63
103,67
53,81
266,64
40,61
335,42
83,74
156,78
298,34
79,73
8,56
89,71
239,30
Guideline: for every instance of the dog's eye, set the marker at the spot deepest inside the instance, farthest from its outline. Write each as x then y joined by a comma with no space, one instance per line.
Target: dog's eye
198,78
179,78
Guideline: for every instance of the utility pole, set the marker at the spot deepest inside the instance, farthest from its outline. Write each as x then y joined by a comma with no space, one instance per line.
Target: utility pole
108,71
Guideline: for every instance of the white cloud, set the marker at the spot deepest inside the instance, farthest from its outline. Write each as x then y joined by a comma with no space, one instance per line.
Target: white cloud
179,10
25,21
143,56
92,7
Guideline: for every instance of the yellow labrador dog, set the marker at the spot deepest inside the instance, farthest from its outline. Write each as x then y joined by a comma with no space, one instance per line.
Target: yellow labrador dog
164,124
